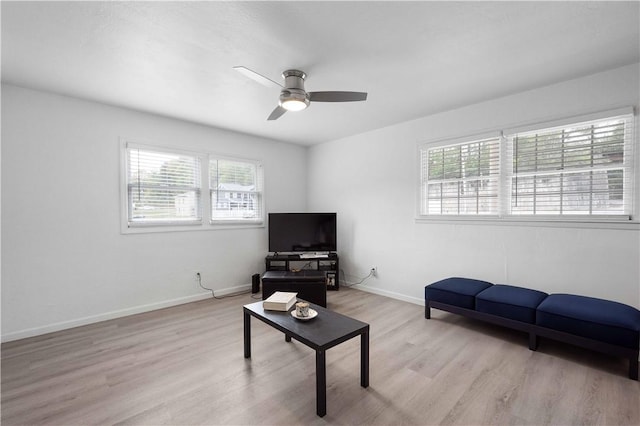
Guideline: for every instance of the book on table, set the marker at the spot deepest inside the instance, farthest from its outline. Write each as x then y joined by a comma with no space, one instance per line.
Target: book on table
280,301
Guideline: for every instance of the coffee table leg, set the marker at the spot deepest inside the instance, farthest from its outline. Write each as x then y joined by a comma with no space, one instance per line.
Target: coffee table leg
247,335
321,383
364,359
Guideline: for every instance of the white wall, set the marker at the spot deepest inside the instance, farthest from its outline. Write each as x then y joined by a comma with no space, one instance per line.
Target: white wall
65,261
371,181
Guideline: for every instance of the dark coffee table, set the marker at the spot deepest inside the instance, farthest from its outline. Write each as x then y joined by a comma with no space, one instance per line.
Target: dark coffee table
323,332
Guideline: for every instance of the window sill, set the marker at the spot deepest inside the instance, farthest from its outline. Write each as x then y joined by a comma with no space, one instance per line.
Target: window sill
188,228
235,224
545,222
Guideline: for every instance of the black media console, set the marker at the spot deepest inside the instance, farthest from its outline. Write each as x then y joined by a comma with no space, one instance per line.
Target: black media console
329,265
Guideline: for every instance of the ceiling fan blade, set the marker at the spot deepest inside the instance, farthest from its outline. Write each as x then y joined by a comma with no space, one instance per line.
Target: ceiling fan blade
276,113
265,81
337,96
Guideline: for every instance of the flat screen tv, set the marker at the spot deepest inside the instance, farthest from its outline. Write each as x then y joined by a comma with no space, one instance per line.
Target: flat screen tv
302,232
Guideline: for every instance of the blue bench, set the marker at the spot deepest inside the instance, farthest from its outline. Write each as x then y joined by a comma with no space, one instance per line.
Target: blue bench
601,325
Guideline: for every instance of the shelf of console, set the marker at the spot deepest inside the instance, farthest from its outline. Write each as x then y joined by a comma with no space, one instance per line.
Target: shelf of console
328,264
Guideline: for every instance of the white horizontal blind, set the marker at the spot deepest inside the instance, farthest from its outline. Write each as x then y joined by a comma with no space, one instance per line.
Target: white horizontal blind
163,187
579,169
236,190
460,179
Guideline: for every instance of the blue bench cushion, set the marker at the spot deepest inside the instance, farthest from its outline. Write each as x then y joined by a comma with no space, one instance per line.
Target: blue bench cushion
512,302
455,291
598,319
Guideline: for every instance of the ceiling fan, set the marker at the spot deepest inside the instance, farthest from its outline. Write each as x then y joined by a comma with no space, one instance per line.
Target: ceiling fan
293,97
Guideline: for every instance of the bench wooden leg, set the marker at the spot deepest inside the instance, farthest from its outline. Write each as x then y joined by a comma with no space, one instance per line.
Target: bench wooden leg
633,367
427,310
533,341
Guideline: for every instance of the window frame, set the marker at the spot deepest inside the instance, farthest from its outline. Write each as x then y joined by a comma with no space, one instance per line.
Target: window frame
563,173
505,216
162,222
259,176
424,151
205,223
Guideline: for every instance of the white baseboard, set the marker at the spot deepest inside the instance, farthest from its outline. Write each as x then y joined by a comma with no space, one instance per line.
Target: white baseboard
391,294
232,290
50,328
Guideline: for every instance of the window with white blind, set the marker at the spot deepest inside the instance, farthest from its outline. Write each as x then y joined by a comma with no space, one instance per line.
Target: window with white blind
235,190
580,169
460,179
162,190
163,187
583,170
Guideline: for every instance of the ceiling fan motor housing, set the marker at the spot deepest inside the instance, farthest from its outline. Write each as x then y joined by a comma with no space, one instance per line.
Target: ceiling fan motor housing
294,79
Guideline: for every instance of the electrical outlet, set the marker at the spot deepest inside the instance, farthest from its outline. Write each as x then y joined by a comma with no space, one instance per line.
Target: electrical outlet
374,271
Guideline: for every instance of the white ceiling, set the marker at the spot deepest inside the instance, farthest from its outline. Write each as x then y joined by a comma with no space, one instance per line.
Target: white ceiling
413,58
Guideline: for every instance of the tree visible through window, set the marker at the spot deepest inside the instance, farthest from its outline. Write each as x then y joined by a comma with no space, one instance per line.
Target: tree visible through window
583,169
163,187
571,170
461,179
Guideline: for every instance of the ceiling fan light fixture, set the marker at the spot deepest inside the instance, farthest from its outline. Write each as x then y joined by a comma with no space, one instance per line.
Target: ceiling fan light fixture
293,105
294,100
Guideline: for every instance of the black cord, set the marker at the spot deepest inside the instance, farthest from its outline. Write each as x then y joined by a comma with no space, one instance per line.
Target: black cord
203,287
219,297
346,284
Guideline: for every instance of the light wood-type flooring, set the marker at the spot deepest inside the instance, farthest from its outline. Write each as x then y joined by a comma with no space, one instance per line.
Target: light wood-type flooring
184,365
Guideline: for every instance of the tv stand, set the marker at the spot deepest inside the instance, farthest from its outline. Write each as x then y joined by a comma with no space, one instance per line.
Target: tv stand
329,264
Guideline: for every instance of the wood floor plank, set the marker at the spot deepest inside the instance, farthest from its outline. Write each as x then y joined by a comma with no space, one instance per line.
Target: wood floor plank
185,365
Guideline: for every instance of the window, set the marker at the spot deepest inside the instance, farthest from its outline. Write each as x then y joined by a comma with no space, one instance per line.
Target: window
163,187
571,170
163,190
579,170
461,179
236,190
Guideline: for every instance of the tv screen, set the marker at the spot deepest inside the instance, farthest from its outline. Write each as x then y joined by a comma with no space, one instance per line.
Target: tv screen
297,232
